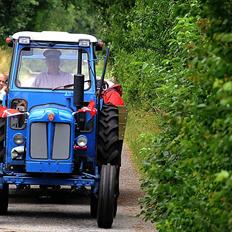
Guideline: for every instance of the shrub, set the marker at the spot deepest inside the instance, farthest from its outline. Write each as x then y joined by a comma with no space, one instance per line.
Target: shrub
177,63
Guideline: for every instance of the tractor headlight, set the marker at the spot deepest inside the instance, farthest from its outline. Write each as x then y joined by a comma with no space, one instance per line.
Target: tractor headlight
82,140
19,139
84,43
24,40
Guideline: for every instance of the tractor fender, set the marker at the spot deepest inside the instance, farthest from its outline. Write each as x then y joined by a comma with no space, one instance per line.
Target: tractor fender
113,95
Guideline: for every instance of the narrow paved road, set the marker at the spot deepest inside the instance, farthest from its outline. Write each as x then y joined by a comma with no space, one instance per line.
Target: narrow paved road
33,211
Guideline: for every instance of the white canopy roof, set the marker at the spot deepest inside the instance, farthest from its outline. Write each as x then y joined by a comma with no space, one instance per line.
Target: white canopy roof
54,36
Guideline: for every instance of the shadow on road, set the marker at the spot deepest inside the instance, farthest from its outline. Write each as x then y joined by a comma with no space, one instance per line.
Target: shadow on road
38,196
54,215
129,197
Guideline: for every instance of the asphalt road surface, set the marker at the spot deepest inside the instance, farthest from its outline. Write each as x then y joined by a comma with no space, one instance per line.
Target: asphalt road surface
38,211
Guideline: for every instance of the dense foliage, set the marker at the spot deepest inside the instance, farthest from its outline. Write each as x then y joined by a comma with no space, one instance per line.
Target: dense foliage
174,58
46,15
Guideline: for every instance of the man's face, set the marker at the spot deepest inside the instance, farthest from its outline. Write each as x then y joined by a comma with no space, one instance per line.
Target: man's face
53,64
2,81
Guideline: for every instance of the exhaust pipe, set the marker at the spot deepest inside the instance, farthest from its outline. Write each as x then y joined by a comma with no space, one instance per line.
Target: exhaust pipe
79,90
79,80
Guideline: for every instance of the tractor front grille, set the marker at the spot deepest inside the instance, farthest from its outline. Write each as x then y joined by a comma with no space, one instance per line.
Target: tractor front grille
50,141
39,142
61,142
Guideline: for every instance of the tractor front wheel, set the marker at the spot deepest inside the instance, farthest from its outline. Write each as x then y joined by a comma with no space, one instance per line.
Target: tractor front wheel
107,196
4,192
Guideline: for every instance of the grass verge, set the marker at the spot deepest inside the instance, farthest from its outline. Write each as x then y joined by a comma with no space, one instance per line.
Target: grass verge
140,131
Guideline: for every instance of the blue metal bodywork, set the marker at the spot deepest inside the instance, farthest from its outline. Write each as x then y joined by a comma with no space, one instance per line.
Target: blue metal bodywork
40,103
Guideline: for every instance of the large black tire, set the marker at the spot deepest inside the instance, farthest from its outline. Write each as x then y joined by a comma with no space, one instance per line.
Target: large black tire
116,190
4,192
109,146
107,196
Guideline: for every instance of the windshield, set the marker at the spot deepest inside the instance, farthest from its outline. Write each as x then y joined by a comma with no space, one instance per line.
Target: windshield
50,68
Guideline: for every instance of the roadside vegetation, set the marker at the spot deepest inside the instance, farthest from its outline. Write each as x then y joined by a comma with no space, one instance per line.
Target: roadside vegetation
140,131
5,56
174,61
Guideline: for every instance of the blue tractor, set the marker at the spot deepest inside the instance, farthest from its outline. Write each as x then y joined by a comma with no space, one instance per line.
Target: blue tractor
61,125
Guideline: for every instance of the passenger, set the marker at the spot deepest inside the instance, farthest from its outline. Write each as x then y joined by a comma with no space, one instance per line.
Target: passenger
53,77
3,86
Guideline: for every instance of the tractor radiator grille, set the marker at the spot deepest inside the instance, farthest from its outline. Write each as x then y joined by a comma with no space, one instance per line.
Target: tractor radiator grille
50,141
61,141
39,146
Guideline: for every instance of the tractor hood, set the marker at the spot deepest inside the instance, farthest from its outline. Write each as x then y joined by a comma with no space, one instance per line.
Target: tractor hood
51,113
50,139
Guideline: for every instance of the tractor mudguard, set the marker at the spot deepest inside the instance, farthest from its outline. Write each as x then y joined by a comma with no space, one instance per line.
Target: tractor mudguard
113,95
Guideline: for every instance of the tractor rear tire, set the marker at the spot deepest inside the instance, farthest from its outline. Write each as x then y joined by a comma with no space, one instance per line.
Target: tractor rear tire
109,146
4,192
107,196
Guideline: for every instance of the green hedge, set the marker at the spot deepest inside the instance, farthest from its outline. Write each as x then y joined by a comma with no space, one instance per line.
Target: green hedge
174,58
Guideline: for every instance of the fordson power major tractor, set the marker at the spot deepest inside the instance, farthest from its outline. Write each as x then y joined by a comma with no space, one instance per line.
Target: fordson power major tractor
60,124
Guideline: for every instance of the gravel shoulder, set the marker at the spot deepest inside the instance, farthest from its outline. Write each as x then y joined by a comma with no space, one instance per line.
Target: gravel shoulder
33,211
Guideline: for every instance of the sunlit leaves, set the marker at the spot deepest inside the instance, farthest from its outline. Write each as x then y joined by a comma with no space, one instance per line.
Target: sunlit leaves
175,60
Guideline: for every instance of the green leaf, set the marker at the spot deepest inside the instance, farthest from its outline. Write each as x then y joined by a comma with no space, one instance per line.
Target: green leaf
227,86
221,176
